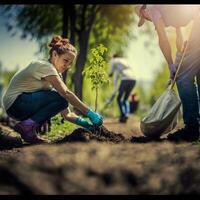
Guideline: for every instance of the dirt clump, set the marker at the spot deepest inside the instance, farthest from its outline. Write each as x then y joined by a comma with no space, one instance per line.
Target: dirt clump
101,134
8,139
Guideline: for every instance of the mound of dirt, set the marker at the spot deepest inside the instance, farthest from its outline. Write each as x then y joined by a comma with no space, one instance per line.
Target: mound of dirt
101,134
9,142
8,139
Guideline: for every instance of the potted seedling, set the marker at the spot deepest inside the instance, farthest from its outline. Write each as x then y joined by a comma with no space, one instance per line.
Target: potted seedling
96,70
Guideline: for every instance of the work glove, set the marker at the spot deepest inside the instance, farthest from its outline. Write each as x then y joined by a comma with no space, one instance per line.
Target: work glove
178,58
94,117
84,123
172,69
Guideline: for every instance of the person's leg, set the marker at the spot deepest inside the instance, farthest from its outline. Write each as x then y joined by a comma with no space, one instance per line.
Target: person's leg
129,85
188,94
39,106
119,99
190,68
33,109
198,89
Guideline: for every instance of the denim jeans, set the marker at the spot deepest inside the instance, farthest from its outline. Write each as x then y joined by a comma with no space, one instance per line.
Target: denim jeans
39,106
188,88
125,89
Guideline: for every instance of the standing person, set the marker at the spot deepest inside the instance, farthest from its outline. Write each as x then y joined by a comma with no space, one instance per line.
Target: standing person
177,16
122,70
37,93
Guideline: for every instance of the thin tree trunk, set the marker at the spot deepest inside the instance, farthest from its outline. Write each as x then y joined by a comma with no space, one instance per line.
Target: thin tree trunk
81,59
83,39
65,30
72,22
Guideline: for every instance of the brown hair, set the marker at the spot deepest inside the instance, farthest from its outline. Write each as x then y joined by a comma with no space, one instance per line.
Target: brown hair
61,46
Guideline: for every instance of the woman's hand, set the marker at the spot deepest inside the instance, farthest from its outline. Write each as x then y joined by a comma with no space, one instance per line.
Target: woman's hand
84,123
94,117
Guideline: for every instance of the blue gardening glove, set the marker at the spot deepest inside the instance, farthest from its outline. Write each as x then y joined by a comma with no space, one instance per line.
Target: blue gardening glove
94,117
84,123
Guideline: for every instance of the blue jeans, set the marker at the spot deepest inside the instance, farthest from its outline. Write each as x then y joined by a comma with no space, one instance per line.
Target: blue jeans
188,89
39,106
125,89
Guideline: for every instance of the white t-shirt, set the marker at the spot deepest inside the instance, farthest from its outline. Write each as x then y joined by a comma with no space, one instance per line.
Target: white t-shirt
29,79
121,68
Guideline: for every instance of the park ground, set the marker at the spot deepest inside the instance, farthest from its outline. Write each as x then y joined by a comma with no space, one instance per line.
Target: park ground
129,166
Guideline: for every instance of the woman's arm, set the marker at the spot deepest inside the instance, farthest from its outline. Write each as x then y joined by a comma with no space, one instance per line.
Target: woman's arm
164,42
62,89
68,115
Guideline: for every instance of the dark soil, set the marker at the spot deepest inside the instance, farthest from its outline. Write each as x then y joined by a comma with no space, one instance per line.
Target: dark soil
8,139
117,159
101,134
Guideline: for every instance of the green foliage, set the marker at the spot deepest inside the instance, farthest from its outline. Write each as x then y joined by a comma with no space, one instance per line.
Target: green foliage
96,70
159,84
59,129
109,29
105,92
34,20
197,143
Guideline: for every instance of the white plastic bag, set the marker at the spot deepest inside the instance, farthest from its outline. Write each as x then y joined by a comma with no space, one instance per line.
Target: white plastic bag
162,118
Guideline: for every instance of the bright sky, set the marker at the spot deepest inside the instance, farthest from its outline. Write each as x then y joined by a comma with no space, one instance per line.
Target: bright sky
14,51
17,52
145,61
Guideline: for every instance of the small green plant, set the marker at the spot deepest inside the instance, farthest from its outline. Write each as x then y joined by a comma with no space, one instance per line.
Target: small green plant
59,129
96,70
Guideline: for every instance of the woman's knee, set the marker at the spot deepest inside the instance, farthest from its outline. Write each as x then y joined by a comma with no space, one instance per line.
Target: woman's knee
63,101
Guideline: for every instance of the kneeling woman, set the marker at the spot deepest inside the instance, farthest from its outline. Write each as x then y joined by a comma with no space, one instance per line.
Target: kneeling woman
37,93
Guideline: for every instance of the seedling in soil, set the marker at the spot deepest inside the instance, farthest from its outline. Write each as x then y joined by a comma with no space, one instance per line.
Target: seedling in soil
96,70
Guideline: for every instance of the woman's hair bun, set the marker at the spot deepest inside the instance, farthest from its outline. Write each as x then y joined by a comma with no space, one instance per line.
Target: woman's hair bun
58,41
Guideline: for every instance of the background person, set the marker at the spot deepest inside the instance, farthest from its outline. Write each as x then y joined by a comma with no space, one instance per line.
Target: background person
123,71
